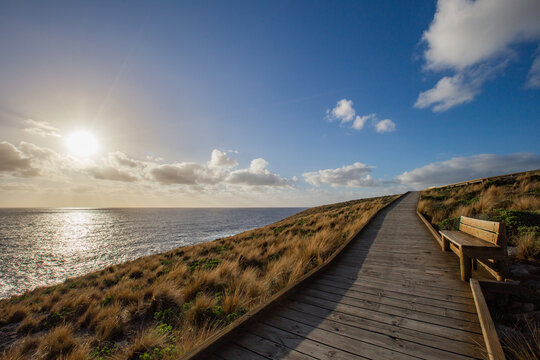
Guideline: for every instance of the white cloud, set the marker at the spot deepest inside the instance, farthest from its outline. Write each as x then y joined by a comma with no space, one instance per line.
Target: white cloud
15,162
186,173
17,187
122,159
82,188
474,39
355,175
385,125
220,159
256,175
533,79
41,128
111,173
464,32
37,153
360,121
449,92
468,168
458,89
343,111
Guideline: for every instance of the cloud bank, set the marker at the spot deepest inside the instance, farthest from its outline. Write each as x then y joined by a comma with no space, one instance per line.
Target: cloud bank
29,160
450,171
474,39
468,168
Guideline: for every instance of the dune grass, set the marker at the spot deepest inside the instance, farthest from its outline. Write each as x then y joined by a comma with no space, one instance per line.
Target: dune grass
524,344
514,201
160,306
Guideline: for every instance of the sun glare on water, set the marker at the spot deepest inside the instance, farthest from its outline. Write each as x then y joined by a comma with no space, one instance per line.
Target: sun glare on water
82,144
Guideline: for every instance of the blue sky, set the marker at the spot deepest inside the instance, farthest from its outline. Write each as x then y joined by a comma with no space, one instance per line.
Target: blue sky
203,103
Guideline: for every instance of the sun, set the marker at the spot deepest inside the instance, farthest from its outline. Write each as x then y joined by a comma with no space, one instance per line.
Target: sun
82,144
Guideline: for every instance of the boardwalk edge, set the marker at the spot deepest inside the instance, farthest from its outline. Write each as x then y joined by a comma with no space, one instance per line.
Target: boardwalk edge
491,338
205,349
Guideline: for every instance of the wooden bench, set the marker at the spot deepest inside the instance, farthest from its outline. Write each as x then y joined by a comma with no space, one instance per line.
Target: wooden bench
477,240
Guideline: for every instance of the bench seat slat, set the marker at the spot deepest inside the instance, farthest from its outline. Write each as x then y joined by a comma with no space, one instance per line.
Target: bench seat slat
465,240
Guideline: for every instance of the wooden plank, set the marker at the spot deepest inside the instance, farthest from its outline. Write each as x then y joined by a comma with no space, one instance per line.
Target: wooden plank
493,345
412,271
491,226
404,282
459,324
429,227
371,336
406,323
361,348
410,297
235,352
301,344
479,233
488,266
466,239
300,310
505,288
269,349
399,259
405,288
409,305
421,287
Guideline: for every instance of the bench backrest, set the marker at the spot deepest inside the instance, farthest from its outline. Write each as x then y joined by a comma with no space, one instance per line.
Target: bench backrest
491,231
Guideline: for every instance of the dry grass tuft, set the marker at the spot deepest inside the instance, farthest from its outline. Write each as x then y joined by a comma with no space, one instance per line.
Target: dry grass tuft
528,246
57,343
519,345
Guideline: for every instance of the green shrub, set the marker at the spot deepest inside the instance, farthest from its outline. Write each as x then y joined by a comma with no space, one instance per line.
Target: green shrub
516,219
449,224
207,263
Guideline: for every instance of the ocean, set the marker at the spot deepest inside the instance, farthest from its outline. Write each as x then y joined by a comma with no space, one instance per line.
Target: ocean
46,246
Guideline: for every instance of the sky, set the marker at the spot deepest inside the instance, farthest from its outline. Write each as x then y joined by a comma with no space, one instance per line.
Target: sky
253,104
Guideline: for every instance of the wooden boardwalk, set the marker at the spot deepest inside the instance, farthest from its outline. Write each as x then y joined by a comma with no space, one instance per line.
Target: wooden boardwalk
393,294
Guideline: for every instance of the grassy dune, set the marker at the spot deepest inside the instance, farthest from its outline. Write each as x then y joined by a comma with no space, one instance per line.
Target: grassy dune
514,201
160,306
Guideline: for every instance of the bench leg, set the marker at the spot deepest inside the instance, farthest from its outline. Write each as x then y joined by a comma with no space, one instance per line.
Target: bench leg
465,266
445,244
502,268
